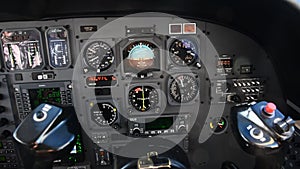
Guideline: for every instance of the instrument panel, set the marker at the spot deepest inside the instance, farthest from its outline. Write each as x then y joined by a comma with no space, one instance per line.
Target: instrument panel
22,49
170,78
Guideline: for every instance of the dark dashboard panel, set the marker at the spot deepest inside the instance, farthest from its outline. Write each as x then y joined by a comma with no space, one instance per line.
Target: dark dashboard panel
132,84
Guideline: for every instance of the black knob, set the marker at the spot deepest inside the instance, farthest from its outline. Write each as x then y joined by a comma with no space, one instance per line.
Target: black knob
40,115
2,109
256,131
1,96
235,98
6,133
136,132
3,122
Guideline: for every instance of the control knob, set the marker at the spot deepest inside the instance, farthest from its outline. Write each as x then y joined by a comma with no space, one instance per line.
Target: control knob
6,133
3,122
2,109
182,129
136,131
234,98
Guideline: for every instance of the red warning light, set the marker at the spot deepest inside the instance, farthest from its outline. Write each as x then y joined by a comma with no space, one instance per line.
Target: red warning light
138,90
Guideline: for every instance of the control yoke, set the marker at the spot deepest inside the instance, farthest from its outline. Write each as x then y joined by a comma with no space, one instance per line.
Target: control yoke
47,133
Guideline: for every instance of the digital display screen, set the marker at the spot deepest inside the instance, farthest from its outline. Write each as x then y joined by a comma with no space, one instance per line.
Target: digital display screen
22,49
2,159
58,46
99,81
159,123
224,63
42,95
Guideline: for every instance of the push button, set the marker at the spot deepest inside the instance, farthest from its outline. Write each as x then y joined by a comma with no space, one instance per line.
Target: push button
256,133
269,110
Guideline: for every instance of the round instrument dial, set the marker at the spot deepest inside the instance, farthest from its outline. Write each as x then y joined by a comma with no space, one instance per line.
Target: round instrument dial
141,54
103,113
184,88
99,55
218,125
183,52
143,98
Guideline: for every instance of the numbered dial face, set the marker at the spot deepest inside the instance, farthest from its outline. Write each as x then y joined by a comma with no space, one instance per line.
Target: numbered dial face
143,98
183,52
103,113
99,55
184,88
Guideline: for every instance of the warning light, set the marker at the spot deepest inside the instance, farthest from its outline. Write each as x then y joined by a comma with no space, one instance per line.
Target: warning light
138,90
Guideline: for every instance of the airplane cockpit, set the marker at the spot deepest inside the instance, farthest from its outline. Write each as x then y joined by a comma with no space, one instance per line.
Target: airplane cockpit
149,85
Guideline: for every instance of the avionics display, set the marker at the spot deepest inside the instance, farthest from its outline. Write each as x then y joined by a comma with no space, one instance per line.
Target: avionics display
141,55
101,81
43,95
29,96
21,49
224,64
58,47
159,123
